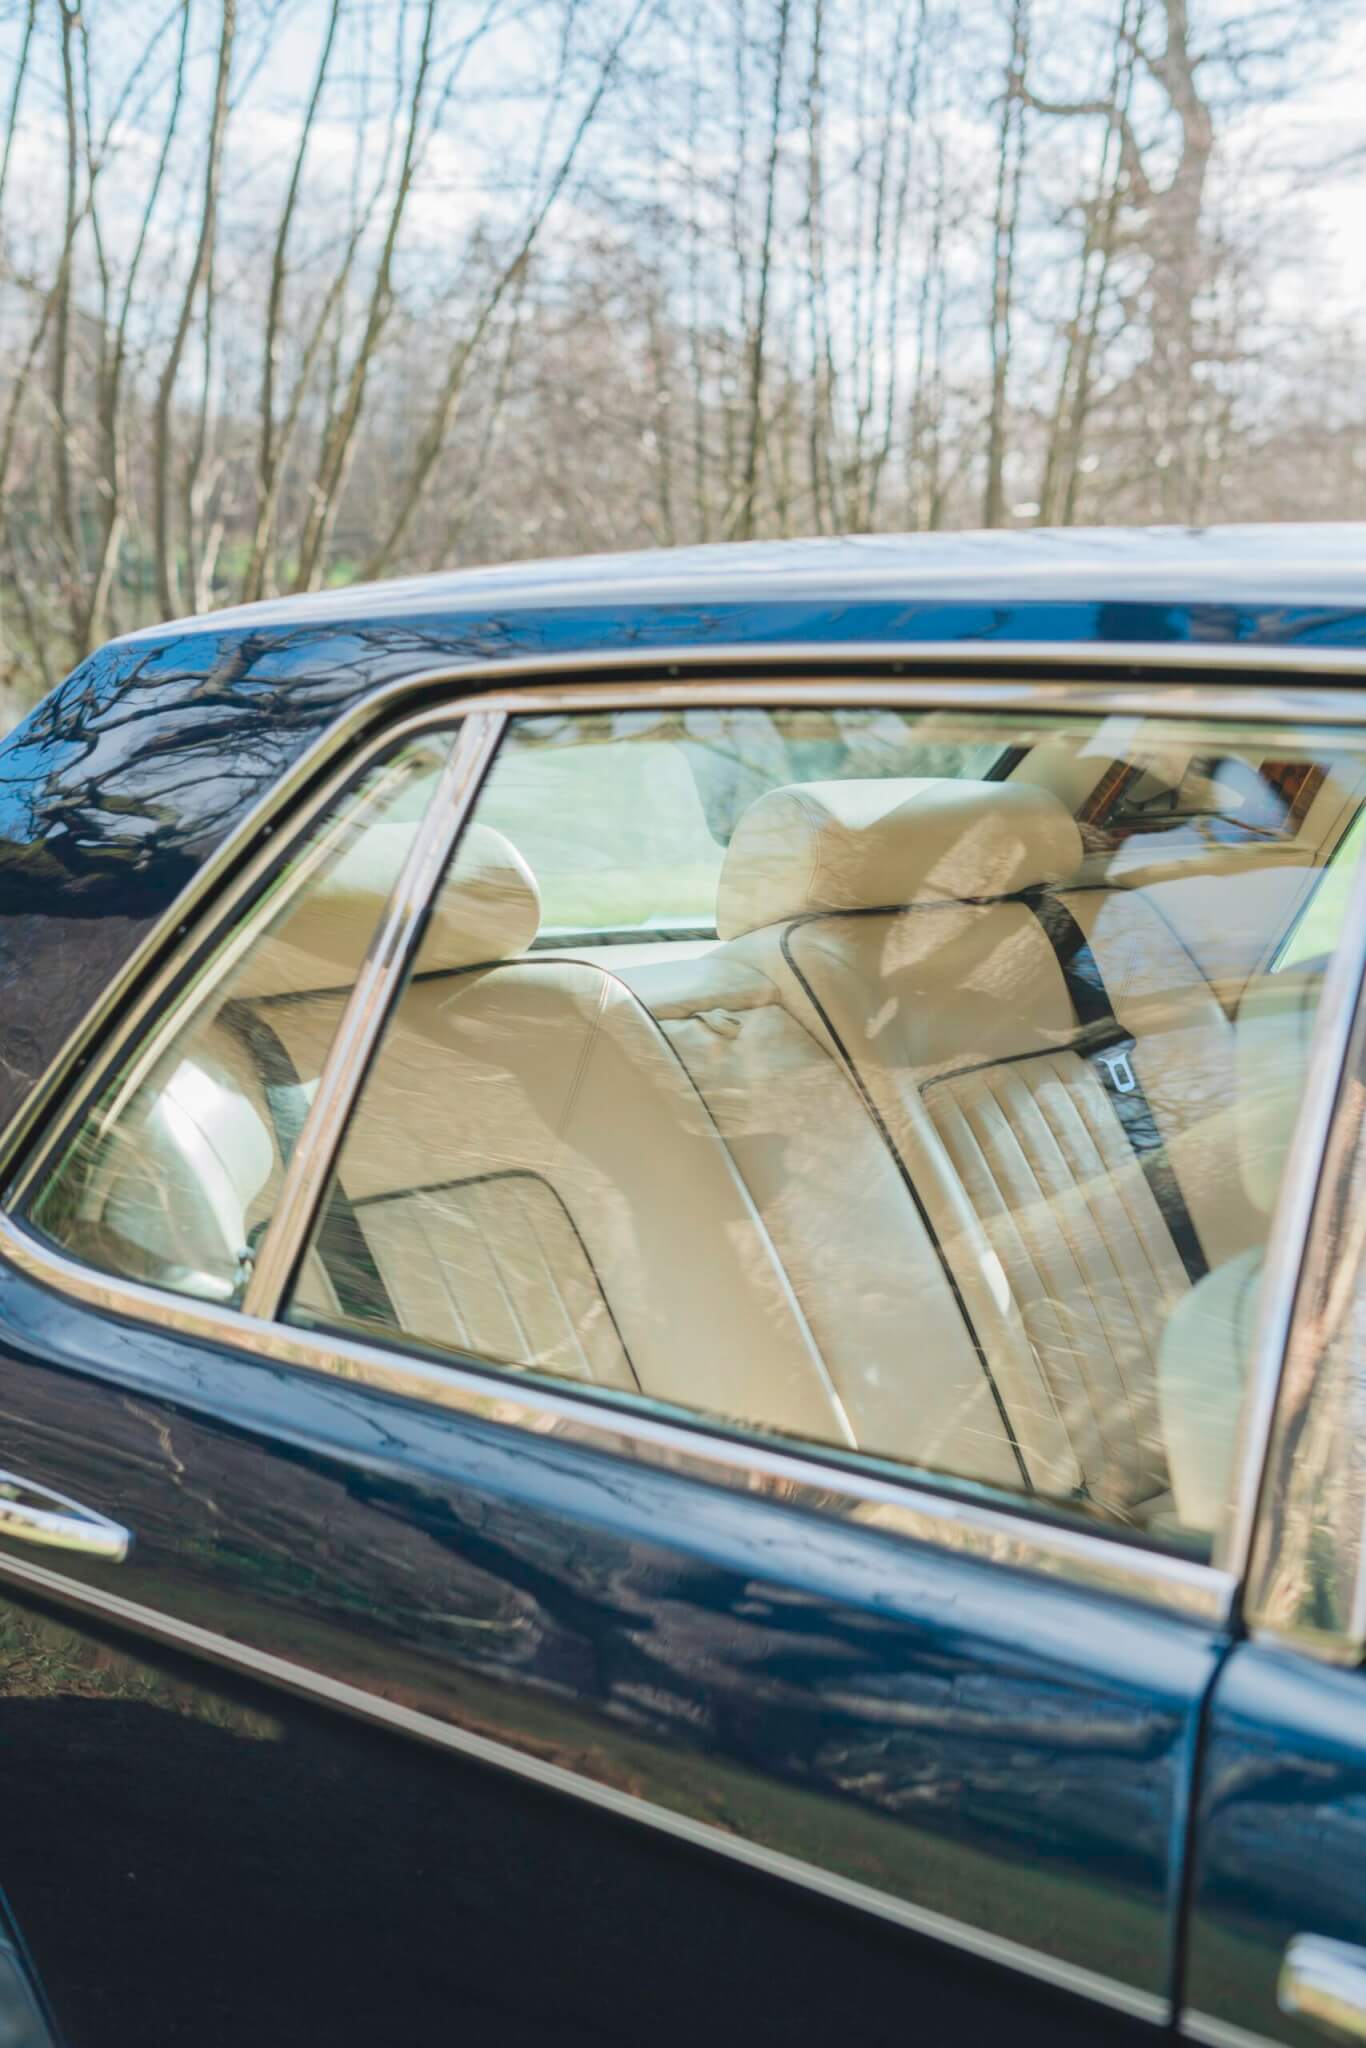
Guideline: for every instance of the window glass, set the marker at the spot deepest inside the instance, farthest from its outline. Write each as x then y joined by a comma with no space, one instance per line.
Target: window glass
835,1075
1215,798
950,1137
172,1176
626,822
1317,930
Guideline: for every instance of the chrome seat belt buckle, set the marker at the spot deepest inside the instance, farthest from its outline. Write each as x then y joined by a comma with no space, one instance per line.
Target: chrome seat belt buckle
1122,1077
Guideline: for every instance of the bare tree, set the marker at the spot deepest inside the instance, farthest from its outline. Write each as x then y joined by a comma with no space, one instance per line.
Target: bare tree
515,276
167,574
743,525
1010,156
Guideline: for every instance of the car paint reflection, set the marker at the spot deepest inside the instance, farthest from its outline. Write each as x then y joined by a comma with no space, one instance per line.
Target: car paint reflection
816,1686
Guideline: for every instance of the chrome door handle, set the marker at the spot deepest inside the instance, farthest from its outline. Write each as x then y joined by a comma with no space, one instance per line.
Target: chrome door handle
1325,1982
35,1514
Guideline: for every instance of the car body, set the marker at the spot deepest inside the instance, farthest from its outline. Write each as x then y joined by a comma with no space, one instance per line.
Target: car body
376,1680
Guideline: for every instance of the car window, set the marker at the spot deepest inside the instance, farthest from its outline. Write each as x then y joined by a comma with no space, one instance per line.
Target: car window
942,1146
172,1175
627,829
1318,926
1209,796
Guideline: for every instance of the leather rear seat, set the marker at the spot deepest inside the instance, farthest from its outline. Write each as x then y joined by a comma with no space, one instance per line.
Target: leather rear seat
861,1121
885,920
575,1209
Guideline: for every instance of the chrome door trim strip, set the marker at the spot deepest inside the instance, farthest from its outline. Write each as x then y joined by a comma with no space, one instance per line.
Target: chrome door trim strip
808,1477
299,1680
388,957
1214,2033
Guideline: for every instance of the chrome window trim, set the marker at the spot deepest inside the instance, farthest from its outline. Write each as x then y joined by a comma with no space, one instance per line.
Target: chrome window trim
377,987
1216,2033
1101,1561
375,1710
797,1475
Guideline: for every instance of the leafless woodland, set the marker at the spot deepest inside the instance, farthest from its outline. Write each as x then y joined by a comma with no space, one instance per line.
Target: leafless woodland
299,291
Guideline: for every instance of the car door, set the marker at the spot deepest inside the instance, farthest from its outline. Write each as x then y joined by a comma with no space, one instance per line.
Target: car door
516,1682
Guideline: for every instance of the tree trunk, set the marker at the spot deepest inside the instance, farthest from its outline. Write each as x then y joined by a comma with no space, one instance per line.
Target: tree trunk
167,574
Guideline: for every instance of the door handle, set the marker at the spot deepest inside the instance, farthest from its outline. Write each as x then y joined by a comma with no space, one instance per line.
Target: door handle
35,1514
1325,1982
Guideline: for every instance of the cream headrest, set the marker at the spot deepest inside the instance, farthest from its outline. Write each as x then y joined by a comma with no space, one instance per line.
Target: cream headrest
1274,1028
488,908
823,846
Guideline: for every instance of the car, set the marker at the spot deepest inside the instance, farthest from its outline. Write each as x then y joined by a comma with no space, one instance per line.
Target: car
681,1304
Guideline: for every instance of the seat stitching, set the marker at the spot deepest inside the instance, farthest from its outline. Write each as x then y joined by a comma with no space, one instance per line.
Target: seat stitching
1079,1184
860,1083
1056,1301
1023,1260
585,1055
1146,1227
496,1268
518,1194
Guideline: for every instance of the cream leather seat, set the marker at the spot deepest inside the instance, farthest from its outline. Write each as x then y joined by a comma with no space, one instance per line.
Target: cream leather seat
888,916
847,1227
534,1179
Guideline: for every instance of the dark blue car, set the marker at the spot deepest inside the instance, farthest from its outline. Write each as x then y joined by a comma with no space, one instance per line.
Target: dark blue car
681,1311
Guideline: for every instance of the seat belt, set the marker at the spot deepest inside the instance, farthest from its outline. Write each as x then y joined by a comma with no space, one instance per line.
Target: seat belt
1108,1048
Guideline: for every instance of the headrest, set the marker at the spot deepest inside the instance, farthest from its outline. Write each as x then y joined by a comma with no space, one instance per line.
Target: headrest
1273,1033
488,908
823,846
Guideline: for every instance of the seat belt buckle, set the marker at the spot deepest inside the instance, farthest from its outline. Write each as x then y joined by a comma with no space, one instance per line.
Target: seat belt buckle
1122,1077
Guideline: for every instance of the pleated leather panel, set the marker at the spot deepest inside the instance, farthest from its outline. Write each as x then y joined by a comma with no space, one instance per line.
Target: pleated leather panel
1051,1176
495,1267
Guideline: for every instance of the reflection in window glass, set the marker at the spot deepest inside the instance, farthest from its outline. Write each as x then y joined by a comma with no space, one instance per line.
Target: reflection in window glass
1325,914
172,1176
626,822
950,1136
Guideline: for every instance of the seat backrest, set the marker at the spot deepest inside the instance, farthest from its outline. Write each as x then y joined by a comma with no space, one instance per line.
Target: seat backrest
901,919
574,1209
840,1214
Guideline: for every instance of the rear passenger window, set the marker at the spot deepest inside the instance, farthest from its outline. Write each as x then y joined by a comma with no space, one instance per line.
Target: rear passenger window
883,1081
173,1174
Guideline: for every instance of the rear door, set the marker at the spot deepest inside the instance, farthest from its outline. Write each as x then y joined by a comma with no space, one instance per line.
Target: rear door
460,1670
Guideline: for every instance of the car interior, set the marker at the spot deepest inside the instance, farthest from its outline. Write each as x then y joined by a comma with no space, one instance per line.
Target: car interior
947,1131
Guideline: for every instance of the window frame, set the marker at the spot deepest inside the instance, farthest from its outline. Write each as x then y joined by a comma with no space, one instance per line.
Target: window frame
920,1507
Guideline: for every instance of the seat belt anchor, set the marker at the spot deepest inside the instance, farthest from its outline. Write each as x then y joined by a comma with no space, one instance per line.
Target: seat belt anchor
1123,1079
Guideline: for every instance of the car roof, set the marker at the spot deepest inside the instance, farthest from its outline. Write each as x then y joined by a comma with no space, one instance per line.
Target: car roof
1221,566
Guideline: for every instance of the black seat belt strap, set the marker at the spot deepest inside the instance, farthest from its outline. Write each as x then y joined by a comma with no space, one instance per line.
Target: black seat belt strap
1108,1048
